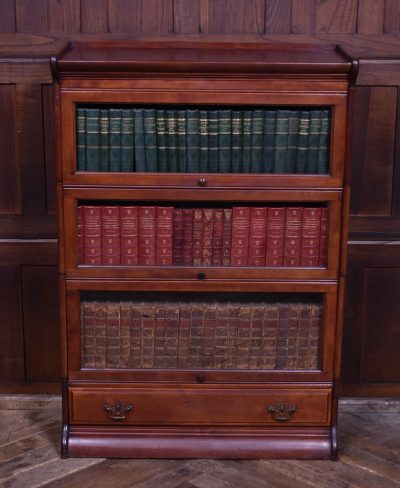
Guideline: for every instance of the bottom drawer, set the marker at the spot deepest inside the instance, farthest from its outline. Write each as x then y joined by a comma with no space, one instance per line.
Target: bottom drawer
220,405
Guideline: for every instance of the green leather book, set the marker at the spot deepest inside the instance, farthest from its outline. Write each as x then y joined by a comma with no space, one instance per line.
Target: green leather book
80,139
150,138
302,142
140,158
204,133
257,126
127,149
246,141
292,141
213,121
225,140
269,141
313,142
172,141
193,141
281,141
181,128
92,139
161,136
237,135
105,139
115,139
324,138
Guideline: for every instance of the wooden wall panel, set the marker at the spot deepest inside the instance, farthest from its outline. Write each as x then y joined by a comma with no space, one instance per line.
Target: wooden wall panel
278,16
7,17
9,169
336,16
396,175
303,16
140,16
94,16
370,16
187,16
12,367
48,15
236,17
392,17
49,147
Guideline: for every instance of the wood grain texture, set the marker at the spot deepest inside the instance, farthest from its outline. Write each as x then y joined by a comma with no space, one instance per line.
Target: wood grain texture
392,17
140,16
49,147
236,17
370,16
336,15
303,16
48,15
396,175
9,168
373,150
186,16
11,345
94,16
7,17
278,16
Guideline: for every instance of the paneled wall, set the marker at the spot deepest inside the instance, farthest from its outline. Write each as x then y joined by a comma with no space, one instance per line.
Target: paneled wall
29,350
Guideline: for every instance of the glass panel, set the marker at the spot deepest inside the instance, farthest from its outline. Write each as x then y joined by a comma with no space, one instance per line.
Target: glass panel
218,331
261,140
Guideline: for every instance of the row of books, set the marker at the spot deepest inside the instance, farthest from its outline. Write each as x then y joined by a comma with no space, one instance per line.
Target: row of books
199,141
198,334
168,236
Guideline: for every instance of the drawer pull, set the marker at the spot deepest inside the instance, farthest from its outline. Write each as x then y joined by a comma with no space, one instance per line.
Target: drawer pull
117,411
202,182
281,412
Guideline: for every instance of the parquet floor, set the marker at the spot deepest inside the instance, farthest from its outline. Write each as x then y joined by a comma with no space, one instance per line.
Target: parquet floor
369,436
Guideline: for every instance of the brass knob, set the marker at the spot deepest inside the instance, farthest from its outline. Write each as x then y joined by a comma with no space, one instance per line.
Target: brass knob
202,182
282,411
201,276
200,378
117,411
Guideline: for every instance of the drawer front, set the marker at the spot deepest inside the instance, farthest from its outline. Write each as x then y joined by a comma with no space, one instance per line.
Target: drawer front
200,406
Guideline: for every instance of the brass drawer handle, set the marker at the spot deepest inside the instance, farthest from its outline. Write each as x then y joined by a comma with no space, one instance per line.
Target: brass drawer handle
117,411
281,412
202,182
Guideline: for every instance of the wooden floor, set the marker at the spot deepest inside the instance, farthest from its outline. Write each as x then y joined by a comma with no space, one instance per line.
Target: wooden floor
369,436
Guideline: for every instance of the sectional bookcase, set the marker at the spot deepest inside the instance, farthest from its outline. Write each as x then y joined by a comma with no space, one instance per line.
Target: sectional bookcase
203,205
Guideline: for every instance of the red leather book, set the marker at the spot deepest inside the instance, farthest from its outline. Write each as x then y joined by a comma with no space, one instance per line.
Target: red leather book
197,247
323,243
110,235
240,236
208,214
113,335
125,333
187,246
164,231
79,234
147,236
257,236
92,235
227,237
292,248
275,236
310,236
177,237
217,237
129,235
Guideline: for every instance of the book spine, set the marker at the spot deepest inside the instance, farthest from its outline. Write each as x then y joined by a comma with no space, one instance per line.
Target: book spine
313,141
237,135
196,334
302,142
161,137
164,231
208,214
240,236
204,141
323,146
225,140
159,335
172,141
246,141
80,139
92,139
311,232
136,354
281,141
147,236
282,341
88,331
129,235
303,335
198,228
148,333
227,237
257,236
269,141
270,334
243,337
104,140
232,335
92,235
181,138
257,123
150,139
256,335
187,245
217,237
314,337
275,236
125,335
292,141
113,335
177,237
221,335
292,249
294,336
140,156
213,140
323,243
115,139
100,333
79,235
171,335
110,235
193,141
185,319
208,349
127,149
